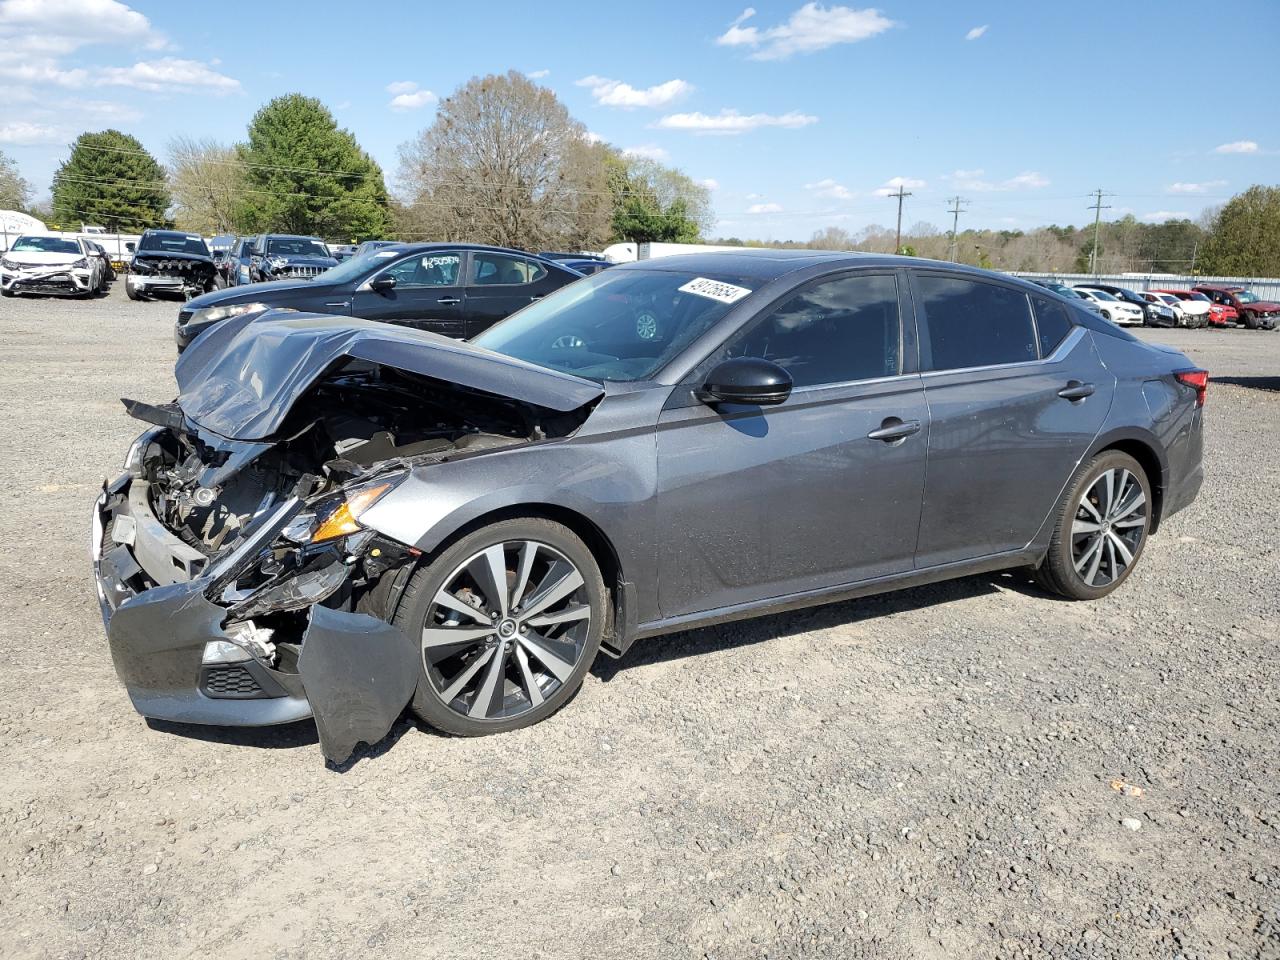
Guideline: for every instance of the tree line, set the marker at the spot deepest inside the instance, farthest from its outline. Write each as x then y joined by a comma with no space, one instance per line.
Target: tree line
1240,238
504,162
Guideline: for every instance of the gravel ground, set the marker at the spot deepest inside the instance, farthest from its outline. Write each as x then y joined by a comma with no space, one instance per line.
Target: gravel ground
928,774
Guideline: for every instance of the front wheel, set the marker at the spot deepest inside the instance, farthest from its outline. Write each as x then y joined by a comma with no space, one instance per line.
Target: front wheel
1102,525
508,620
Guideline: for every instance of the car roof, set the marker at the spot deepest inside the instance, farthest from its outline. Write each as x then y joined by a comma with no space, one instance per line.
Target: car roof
764,264
169,233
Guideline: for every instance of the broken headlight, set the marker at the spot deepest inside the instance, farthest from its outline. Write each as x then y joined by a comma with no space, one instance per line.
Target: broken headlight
339,515
213,314
8,264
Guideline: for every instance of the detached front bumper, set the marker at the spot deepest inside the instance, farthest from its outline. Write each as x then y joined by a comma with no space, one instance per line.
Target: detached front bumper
353,673
57,282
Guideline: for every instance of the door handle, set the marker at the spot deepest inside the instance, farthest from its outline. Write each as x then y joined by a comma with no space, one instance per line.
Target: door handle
448,301
893,429
1075,390
535,299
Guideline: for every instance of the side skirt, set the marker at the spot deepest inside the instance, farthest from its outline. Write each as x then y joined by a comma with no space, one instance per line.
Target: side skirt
849,591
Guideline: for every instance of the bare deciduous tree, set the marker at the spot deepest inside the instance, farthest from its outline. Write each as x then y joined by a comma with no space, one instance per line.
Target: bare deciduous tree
206,179
505,163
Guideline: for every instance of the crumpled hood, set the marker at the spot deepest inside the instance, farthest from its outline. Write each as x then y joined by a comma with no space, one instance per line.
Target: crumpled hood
240,379
166,255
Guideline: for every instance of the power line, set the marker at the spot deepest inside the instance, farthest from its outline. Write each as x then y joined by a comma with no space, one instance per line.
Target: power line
957,203
902,194
1097,209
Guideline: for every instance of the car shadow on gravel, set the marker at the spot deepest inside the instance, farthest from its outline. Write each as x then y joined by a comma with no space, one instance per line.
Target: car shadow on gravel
1253,383
741,633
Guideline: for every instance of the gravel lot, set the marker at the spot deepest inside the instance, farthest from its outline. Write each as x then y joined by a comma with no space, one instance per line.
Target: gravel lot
927,774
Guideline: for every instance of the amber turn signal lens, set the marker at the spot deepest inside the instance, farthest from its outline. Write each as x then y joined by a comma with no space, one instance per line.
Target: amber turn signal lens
344,520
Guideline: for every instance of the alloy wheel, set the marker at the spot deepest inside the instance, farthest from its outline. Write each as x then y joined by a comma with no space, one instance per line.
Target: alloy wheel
506,630
1110,522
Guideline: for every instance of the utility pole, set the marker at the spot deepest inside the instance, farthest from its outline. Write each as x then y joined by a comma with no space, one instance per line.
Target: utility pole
957,203
1195,250
902,194
1097,209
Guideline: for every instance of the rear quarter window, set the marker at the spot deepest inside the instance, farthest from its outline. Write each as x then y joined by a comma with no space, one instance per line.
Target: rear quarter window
1053,323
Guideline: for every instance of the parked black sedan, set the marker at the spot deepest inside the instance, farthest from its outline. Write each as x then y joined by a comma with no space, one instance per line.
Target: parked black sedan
447,288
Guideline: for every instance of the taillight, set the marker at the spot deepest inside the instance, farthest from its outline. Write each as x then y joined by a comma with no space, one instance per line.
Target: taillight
1198,380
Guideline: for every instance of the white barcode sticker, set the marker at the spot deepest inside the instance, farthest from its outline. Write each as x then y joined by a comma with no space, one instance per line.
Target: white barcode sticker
715,290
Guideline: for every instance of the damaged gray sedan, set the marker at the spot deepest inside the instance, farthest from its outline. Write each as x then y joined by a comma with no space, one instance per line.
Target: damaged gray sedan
340,519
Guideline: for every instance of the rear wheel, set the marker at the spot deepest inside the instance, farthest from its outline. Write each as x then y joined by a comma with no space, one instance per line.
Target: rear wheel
509,620
1101,529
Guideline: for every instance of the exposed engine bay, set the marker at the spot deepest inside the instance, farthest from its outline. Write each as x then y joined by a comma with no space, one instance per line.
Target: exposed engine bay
361,420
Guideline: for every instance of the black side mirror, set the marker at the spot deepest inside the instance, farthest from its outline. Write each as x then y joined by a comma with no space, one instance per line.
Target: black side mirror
750,380
383,283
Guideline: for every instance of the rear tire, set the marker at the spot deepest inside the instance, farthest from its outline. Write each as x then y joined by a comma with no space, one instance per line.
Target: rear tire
1251,321
1100,529
517,660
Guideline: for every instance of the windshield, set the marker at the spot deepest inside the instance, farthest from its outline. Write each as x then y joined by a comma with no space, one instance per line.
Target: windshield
1244,296
1101,295
174,243
1169,298
354,268
44,245
296,247
1198,296
617,325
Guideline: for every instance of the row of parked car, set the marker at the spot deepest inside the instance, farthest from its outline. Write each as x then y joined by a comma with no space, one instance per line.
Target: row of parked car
1208,304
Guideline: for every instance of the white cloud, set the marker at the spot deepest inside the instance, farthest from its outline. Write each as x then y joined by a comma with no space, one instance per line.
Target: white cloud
1238,146
973,181
755,196
893,184
42,71
710,183
1160,216
730,122
408,96
538,74
765,208
168,75
811,28
615,93
592,137
1195,187
23,133
976,32
829,188
648,151
58,27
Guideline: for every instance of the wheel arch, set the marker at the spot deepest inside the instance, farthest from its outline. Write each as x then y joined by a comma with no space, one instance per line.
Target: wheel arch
1144,448
620,629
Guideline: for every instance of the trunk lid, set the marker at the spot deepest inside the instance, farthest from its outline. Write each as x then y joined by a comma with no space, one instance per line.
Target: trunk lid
241,379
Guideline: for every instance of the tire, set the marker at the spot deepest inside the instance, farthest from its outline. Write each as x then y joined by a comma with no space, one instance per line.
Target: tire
130,292
1251,321
1106,315
1085,564
543,664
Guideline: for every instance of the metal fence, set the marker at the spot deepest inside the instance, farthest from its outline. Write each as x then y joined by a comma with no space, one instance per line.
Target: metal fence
1268,288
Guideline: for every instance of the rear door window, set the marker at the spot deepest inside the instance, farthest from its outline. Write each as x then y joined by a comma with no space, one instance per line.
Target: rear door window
498,269
972,323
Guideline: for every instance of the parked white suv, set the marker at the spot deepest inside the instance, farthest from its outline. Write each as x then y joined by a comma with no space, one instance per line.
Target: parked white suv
1114,309
51,264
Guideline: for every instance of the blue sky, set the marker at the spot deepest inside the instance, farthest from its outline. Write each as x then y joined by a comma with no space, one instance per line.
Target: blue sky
801,115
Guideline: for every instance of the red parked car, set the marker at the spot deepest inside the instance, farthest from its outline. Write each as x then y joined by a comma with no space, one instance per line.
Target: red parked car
1220,314
1254,312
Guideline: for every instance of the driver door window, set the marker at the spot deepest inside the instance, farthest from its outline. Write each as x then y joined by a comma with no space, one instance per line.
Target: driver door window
835,331
432,270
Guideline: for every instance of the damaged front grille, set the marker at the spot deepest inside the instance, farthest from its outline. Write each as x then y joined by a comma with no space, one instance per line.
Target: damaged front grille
299,272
